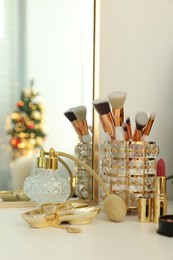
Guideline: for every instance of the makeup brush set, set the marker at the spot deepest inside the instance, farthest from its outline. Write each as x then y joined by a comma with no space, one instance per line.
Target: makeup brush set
111,113
83,150
127,161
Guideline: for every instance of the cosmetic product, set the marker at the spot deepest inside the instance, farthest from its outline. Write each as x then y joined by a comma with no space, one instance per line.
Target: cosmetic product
160,197
144,209
148,127
80,113
117,99
73,119
129,129
141,119
165,226
107,121
126,138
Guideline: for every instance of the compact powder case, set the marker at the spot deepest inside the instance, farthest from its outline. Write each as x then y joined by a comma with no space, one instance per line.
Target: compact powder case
166,225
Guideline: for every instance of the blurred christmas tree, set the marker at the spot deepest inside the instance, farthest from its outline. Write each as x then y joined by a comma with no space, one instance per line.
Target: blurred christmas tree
25,126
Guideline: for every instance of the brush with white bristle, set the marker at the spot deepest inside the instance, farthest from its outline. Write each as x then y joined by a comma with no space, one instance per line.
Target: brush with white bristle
148,127
103,109
80,112
117,99
73,119
141,119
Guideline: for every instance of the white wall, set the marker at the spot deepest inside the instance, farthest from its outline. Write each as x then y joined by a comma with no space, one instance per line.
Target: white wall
136,55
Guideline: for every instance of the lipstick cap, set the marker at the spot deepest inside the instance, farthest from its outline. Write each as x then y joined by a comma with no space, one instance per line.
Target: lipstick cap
144,209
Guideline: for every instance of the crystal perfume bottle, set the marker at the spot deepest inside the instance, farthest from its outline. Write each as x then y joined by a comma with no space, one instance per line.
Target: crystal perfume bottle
47,185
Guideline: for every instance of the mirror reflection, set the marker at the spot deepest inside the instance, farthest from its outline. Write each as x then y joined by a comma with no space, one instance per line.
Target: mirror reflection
50,42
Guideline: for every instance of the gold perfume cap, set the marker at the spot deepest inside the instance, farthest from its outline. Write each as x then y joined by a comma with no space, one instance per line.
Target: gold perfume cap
52,161
40,163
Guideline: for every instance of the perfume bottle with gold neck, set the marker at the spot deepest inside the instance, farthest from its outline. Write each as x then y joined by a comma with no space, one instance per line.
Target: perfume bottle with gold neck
47,185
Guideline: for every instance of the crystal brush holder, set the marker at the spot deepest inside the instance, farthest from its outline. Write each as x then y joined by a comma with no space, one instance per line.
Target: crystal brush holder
128,169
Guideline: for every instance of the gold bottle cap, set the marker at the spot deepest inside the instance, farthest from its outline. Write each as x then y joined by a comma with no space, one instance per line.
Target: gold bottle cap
52,161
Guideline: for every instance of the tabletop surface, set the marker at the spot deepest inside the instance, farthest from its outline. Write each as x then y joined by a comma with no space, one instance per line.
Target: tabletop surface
101,239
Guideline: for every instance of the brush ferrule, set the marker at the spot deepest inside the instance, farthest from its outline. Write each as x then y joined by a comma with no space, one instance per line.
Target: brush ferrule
108,123
148,126
118,115
137,135
76,128
83,127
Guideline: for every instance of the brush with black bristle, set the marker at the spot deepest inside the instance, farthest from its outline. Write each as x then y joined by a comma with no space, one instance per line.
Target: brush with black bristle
126,138
129,128
103,109
73,119
141,119
80,112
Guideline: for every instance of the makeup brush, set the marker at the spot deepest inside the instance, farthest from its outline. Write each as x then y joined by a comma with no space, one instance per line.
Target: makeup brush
141,119
148,127
103,109
126,138
80,112
117,99
129,129
73,119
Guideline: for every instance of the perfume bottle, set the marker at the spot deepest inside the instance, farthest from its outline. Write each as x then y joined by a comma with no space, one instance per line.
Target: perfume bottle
47,185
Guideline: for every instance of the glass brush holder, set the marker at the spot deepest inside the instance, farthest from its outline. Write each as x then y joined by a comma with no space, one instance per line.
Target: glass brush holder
83,180
128,169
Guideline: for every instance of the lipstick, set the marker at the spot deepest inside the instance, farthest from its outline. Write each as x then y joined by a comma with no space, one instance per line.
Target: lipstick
160,197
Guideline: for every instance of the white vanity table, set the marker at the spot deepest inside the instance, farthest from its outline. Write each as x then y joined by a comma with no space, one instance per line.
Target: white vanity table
102,240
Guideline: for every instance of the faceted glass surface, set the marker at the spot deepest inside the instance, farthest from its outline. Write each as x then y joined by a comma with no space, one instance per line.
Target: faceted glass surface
128,169
83,180
47,186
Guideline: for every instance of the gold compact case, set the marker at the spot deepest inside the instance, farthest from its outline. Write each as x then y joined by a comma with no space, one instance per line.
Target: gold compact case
55,214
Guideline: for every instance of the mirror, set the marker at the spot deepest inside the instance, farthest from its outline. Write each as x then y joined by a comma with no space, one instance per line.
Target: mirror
52,42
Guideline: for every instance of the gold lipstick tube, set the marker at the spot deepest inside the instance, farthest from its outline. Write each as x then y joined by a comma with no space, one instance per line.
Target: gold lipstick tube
144,209
118,115
108,122
160,198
